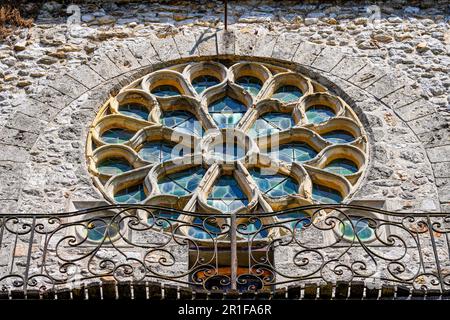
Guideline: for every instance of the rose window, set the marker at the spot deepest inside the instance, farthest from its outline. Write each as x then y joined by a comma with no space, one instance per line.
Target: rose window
226,138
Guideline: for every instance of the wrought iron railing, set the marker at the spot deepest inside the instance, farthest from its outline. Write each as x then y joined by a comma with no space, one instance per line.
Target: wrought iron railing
260,251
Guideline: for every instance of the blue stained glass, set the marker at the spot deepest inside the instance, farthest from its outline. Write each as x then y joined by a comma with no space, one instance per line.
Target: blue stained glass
296,219
165,91
274,185
113,166
327,195
202,83
252,84
294,152
287,94
338,136
117,135
342,166
163,219
133,194
319,113
271,122
101,229
228,152
181,183
226,195
357,226
134,110
182,121
205,229
227,112
158,151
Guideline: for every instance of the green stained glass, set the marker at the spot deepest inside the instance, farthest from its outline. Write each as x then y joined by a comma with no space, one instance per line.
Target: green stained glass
287,94
274,185
338,136
294,152
319,113
202,83
323,194
117,135
252,84
357,226
102,228
342,166
113,166
165,91
226,195
182,121
181,183
252,230
133,194
159,151
134,110
271,122
227,112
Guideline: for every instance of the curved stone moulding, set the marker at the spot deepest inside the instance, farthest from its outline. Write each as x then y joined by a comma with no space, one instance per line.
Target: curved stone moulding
308,168
347,152
286,79
170,78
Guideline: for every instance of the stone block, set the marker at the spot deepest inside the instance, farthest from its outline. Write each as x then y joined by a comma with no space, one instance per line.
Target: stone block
143,51
85,75
187,44
123,58
367,75
286,46
68,86
307,52
8,206
442,169
13,153
37,109
402,97
328,58
104,67
348,66
265,44
18,138
415,110
246,41
23,122
226,42
165,48
50,96
207,43
439,154
443,186
387,84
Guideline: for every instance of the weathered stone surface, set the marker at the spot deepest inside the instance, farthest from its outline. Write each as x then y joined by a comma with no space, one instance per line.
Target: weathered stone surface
207,43
442,169
85,75
265,44
367,75
348,66
415,110
26,123
186,44
104,66
286,46
123,58
328,58
438,154
143,51
68,86
165,47
226,42
306,53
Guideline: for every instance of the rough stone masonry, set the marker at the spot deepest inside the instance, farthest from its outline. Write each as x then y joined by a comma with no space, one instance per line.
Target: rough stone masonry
391,61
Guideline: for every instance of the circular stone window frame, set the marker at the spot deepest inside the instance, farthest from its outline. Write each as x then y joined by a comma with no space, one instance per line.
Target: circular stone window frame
279,74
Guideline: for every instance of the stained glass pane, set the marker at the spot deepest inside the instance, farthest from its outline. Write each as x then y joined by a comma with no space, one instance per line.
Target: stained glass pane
159,151
99,229
181,183
202,83
134,110
162,219
117,135
165,91
182,121
228,152
342,166
227,112
113,166
252,230
270,123
273,184
133,194
296,219
319,113
323,194
226,195
287,94
205,229
357,226
294,152
252,84
338,136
